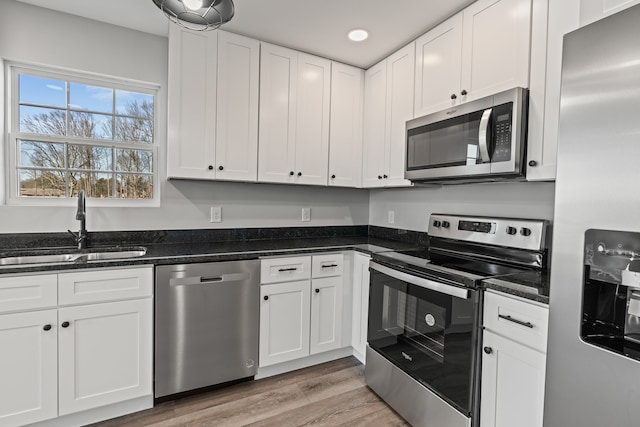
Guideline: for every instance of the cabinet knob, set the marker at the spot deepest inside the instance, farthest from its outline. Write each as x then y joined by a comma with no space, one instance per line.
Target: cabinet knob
464,92
65,324
266,297
454,96
379,176
291,173
220,167
488,350
333,177
385,176
299,173
210,167
532,163
47,327
317,291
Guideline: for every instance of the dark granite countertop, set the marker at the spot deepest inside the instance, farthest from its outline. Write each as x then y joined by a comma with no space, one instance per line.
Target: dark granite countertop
191,252
531,285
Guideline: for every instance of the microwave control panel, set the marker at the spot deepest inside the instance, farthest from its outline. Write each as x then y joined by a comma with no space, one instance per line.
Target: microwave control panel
502,132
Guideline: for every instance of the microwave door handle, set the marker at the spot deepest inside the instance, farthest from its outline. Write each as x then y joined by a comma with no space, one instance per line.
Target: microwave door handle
482,135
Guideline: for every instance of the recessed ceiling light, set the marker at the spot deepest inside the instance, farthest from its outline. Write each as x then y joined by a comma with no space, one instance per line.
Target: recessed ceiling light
358,35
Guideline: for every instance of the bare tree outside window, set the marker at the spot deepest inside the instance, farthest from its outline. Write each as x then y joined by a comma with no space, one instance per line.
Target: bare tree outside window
115,161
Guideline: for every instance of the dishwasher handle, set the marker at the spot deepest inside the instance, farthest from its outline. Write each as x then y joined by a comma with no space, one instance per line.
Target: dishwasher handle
205,280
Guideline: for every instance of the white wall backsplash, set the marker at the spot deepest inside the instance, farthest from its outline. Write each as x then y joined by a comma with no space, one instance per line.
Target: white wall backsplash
412,206
41,36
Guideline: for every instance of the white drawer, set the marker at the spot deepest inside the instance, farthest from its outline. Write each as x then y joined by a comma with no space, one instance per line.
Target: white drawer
286,269
516,319
327,265
89,286
28,292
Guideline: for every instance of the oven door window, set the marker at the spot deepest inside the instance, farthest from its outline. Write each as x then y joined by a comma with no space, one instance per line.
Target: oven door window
453,142
428,334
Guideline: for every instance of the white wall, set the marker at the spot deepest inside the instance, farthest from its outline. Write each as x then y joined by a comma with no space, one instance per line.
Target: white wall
41,36
412,206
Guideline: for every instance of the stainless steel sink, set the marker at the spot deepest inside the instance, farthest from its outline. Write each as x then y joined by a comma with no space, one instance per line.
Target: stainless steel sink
49,256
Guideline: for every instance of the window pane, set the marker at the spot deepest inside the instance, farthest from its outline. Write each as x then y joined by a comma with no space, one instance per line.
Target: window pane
90,98
134,104
90,157
42,183
134,130
134,186
98,185
42,91
134,161
88,125
47,121
42,154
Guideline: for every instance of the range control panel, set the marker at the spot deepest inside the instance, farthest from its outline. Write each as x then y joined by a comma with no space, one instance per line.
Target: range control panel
509,232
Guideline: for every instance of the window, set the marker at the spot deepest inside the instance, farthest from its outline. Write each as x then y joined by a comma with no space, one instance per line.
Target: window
70,132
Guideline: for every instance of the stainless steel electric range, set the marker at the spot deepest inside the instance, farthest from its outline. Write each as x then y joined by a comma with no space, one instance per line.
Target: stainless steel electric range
425,314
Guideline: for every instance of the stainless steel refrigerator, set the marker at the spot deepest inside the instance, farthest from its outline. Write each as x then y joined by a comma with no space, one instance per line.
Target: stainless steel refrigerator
593,368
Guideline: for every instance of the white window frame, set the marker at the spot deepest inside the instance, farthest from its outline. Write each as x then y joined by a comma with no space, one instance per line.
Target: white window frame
13,134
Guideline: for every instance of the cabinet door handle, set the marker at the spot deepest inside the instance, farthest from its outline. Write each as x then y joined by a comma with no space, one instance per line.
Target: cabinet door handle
317,291
291,173
47,327
333,177
210,167
385,176
379,176
328,265
519,322
220,167
488,350
464,92
288,269
65,324
266,297
454,96
299,173
532,163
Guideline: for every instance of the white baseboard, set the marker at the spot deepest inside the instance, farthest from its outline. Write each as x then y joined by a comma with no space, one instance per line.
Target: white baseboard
305,362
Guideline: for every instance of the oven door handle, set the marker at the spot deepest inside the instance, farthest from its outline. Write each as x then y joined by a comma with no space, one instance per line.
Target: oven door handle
454,291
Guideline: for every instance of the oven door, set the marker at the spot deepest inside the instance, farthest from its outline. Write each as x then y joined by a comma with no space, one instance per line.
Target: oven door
428,329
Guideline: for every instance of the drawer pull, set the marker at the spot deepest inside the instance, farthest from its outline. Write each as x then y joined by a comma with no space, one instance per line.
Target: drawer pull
519,322
329,266
288,269
488,350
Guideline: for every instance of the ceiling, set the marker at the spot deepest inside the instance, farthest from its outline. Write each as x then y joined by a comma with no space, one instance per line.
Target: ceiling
317,27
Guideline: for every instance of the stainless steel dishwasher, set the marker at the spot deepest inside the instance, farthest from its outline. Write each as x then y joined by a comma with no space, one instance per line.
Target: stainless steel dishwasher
207,324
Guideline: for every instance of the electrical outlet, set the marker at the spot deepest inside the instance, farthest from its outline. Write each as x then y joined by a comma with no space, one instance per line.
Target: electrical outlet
391,217
216,214
306,214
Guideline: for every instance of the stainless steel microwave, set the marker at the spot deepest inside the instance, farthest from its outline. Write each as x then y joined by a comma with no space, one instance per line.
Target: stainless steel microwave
483,140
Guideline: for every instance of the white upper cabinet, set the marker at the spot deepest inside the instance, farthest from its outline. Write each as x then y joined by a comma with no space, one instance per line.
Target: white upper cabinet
294,117
213,105
593,10
480,51
345,132
388,98
439,67
495,47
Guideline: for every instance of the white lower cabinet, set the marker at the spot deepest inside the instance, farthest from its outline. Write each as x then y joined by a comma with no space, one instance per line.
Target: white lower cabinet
513,362
301,317
360,307
64,359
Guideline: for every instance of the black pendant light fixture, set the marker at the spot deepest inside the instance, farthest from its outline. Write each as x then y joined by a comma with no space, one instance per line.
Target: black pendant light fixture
199,15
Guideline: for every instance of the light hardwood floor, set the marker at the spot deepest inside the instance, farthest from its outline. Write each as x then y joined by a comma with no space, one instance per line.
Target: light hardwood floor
332,394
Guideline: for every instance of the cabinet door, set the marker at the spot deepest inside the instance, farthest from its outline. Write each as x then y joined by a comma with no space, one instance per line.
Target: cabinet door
105,354
345,126
237,107
495,46
375,119
278,86
360,310
400,92
512,384
593,10
192,103
326,314
284,322
312,120
544,98
438,66
28,367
